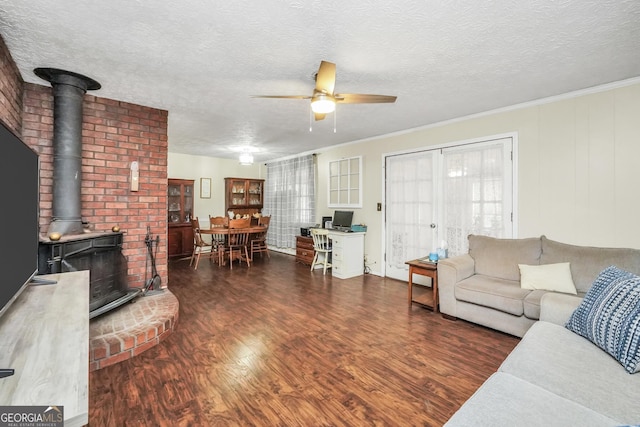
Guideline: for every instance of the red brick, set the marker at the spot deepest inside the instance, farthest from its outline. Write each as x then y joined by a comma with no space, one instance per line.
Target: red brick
115,359
128,343
115,346
99,353
144,347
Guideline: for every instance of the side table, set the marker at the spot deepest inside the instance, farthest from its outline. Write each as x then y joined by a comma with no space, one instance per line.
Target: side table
428,269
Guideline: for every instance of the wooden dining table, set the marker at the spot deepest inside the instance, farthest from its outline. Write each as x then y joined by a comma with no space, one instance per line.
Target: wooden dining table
226,230
254,229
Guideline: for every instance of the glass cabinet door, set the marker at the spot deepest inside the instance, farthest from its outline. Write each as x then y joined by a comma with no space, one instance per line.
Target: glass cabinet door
187,213
255,193
238,193
180,201
174,203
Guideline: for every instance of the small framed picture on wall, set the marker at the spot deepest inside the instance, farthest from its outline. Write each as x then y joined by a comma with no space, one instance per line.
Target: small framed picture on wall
205,188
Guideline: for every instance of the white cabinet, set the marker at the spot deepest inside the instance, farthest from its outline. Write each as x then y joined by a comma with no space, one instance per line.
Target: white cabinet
347,257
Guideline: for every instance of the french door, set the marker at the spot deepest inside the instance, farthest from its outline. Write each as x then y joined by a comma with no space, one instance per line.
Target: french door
436,198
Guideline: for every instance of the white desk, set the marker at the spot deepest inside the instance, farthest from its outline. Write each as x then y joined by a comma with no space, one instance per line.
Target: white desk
347,255
44,336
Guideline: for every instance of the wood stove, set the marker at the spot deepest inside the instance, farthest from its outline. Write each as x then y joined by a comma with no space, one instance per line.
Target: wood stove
100,253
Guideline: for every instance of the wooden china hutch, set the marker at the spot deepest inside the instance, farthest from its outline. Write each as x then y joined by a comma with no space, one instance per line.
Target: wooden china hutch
180,211
244,195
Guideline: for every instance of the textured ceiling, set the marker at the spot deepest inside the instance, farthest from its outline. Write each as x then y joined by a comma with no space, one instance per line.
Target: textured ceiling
202,60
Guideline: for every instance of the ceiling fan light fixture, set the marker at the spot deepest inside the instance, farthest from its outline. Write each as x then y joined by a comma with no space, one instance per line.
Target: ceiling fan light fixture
323,104
246,159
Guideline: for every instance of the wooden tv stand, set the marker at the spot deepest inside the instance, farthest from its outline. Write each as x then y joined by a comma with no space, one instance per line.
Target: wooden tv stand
44,337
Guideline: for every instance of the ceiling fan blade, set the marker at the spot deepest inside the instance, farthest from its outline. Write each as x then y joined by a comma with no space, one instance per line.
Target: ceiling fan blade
282,96
326,77
319,116
361,98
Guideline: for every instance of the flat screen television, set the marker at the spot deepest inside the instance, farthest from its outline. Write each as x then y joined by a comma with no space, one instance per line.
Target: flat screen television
19,178
342,220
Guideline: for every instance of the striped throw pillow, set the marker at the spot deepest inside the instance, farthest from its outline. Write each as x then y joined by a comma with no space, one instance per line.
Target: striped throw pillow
609,316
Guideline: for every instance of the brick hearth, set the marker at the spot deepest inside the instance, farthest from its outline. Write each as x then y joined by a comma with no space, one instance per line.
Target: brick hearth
131,329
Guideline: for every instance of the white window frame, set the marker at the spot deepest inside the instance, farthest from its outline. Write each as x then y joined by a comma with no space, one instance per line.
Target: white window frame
342,184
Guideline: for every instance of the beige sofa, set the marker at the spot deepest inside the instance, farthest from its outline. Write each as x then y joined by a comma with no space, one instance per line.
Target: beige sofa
483,286
554,377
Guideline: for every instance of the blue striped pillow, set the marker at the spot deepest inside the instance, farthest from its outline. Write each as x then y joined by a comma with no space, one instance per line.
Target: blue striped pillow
609,316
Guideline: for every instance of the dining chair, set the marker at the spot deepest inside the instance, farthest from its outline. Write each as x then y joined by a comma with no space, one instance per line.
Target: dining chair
259,240
321,245
218,239
238,241
199,245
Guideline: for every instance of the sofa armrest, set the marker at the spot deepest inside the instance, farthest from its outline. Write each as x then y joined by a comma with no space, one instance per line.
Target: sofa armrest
557,308
451,271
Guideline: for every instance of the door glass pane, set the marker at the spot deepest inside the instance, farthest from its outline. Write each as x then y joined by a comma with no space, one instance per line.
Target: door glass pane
475,200
409,211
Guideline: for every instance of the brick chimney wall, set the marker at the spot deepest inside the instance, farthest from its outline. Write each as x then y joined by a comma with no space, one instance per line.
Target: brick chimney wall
114,134
10,90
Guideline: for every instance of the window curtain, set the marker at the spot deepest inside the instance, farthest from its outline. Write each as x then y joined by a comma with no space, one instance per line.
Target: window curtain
477,193
410,210
289,199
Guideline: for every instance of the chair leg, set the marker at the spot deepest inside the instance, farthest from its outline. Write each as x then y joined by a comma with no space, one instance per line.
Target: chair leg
197,261
324,270
246,254
315,259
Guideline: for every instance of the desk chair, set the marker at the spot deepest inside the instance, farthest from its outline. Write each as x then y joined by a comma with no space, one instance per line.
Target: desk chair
321,245
259,240
238,241
199,245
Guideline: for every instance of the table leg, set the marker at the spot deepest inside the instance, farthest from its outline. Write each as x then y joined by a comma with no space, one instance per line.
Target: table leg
434,287
410,284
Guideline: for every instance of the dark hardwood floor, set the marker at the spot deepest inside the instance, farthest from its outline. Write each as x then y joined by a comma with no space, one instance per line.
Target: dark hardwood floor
277,345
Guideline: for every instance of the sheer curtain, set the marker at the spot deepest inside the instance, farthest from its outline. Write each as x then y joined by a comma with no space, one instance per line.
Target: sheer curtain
410,187
442,195
476,193
289,199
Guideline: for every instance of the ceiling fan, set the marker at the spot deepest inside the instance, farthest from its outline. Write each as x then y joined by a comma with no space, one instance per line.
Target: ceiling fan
323,100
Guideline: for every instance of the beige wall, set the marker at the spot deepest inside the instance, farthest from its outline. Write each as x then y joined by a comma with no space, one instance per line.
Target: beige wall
578,167
185,166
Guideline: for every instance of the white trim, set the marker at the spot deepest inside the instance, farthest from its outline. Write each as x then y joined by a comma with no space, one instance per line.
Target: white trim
542,101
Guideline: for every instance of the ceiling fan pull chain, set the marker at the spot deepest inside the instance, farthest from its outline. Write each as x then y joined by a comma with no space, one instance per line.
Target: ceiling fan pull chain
310,119
335,114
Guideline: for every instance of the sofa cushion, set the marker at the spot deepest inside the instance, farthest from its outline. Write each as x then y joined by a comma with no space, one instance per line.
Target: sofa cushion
547,277
570,366
531,304
505,400
499,294
587,262
500,257
609,316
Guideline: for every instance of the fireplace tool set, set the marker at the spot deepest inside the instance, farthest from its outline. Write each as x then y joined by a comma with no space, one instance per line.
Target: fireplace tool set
155,281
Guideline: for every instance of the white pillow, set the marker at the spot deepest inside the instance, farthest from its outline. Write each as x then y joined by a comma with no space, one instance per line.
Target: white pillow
547,277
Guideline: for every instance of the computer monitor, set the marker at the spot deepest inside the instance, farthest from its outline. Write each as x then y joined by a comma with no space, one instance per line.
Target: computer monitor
342,220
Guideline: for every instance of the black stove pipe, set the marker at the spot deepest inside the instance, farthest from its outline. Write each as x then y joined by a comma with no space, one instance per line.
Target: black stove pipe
68,92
